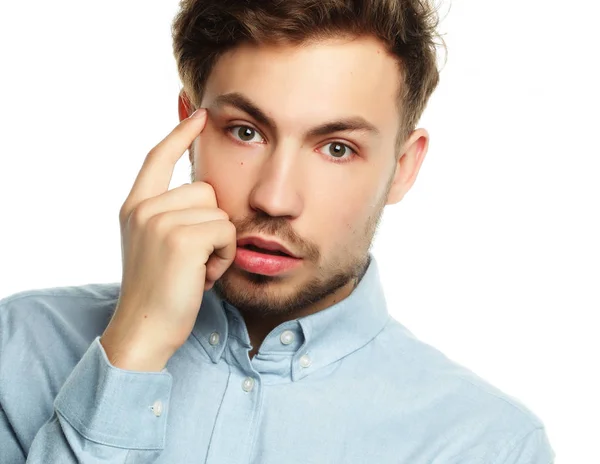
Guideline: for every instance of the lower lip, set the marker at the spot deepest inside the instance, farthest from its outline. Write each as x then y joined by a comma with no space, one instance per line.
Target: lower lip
263,263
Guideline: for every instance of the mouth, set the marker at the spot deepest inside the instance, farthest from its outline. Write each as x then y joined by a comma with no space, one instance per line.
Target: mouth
269,258
265,246
264,251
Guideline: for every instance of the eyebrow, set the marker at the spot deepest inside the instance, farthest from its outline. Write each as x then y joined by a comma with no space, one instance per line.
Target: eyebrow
243,103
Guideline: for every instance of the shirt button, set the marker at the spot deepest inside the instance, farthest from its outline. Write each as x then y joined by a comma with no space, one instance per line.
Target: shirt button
305,361
248,384
157,408
214,338
287,337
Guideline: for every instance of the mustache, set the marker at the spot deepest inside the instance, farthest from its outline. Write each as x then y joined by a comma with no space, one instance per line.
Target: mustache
279,227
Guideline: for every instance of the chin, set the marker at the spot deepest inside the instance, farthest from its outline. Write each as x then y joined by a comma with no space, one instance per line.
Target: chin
255,293
237,284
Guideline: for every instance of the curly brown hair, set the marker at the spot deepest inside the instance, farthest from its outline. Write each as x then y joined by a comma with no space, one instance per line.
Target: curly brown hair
203,30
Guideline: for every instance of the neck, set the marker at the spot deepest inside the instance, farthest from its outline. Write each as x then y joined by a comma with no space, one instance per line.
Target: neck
260,325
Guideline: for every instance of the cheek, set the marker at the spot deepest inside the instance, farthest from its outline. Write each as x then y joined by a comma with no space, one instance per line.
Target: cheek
342,218
213,154
206,149
215,164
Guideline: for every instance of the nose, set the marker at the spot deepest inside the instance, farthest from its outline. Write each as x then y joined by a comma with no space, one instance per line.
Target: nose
277,189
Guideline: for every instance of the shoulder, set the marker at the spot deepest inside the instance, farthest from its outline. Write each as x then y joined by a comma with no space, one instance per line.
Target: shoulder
94,291
83,306
53,322
450,402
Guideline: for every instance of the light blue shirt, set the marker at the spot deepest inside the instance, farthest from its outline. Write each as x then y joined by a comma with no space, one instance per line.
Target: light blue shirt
347,385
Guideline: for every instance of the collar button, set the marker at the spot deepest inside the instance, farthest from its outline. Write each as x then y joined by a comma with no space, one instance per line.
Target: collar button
214,338
305,361
287,337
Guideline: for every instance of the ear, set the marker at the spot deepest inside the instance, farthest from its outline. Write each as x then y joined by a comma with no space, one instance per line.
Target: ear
407,167
184,106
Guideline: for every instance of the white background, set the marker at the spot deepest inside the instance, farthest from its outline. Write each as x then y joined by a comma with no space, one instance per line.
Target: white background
494,255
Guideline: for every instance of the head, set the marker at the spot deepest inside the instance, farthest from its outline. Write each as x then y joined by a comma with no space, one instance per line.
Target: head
311,131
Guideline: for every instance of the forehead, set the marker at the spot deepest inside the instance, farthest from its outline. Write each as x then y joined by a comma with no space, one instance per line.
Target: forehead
309,83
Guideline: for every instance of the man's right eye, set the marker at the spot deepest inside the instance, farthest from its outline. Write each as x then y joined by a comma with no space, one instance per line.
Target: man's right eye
244,134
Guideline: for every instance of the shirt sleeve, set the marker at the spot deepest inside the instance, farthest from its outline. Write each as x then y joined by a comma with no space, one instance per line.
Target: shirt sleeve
105,414
534,448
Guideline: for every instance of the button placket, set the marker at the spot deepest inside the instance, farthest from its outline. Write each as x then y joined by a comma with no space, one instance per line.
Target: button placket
248,384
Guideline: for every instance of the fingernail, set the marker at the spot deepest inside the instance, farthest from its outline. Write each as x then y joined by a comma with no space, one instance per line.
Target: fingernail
198,113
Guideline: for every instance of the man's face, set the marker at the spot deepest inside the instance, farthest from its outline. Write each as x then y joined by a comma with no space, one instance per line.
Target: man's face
319,193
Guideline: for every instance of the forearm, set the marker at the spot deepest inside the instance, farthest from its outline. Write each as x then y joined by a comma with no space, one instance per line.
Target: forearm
105,414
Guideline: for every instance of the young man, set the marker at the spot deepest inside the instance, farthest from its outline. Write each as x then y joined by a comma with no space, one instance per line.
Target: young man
250,324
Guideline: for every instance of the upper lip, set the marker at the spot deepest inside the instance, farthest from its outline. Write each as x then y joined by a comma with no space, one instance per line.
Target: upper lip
265,244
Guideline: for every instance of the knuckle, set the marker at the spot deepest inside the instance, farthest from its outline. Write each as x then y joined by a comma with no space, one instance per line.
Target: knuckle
221,214
205,190
158,224
124,213
153,153
177,239
140,215
229,228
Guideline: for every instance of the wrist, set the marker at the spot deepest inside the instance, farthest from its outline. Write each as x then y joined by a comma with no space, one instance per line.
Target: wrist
135,353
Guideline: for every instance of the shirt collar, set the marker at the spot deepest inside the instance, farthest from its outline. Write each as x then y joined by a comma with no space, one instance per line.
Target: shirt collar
318,340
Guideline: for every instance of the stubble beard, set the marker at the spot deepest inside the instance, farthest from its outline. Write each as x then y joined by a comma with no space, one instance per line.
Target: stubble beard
262,295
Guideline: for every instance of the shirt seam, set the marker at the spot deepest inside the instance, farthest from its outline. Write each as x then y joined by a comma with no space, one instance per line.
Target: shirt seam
534,421
342,358
368,341
13,431
104,438
517,441
212,432
250,438
46,293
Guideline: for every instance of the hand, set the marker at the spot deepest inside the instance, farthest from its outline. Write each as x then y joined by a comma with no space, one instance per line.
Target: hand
175,244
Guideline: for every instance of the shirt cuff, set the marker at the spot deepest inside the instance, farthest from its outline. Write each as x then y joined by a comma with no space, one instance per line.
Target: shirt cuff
114,406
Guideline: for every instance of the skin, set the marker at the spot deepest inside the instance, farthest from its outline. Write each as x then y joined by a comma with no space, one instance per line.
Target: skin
281,182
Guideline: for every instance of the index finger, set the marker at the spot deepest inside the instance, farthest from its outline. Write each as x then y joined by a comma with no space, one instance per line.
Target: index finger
157,170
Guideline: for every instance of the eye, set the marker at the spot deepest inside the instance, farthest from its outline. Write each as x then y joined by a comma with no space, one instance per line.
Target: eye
245,134
338,150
